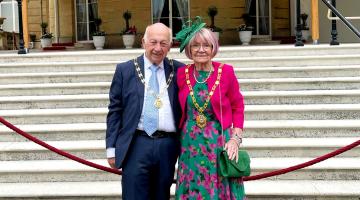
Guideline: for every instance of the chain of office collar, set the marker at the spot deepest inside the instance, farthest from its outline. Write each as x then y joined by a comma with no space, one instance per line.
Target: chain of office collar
201,109
148,88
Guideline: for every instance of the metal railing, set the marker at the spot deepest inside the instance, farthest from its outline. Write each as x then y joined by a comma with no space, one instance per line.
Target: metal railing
335,15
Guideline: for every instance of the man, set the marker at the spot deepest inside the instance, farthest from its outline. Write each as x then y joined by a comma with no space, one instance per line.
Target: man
144,112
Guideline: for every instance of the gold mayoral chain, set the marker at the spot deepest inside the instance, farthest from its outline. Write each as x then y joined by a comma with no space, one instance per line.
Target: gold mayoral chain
158,103
200,118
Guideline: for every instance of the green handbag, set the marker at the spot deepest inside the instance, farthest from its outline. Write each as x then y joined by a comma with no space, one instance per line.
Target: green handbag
232,169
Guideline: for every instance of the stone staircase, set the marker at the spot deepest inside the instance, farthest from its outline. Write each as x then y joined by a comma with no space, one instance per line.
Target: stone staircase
301,103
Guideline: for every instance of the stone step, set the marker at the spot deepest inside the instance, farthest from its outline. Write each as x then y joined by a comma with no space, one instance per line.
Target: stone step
331,83
237,62
56,77
253,129
251,98
287,84
302,97
252,112
63,76
302,112
276,189
54,101
62,66
71,171
231,51
298,72
257,147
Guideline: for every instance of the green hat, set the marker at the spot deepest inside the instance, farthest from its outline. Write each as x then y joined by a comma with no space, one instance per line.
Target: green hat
187,31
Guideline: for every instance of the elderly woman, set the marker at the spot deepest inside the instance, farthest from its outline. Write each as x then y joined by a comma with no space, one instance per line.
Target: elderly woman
212,118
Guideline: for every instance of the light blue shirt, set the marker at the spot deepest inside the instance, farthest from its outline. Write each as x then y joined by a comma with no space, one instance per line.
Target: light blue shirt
166,117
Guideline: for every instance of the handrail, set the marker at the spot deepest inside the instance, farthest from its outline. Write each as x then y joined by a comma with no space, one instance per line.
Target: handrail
342,18
337,18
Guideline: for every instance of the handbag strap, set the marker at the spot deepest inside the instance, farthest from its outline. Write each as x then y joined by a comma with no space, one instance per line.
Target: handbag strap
221,115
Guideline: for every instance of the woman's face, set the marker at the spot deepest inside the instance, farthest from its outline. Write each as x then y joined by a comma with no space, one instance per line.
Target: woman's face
201,51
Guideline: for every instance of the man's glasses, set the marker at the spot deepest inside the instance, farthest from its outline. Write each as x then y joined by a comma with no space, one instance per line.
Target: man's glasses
197,47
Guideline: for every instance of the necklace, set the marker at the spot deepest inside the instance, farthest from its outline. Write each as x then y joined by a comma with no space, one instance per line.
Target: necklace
211,70
200,118
158,103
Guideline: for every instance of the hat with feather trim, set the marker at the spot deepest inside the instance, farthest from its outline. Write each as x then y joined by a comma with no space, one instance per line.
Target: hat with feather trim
188,31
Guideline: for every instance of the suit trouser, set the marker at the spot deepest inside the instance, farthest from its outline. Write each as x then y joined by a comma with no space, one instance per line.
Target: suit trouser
148,170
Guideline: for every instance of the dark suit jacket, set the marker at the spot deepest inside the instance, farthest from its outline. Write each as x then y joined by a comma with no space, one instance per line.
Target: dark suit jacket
126,104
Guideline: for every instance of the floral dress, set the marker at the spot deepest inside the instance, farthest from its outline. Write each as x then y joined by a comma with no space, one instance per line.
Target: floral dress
197,176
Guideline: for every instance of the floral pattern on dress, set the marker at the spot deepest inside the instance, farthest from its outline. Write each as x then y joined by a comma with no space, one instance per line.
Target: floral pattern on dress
197,176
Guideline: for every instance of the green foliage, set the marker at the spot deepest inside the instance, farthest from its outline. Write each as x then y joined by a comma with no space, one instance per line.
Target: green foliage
244,27
212,11
32,37
128,29
247,26
98,32
47,35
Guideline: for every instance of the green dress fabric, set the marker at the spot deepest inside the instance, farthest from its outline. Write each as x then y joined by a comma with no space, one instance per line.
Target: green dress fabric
197,176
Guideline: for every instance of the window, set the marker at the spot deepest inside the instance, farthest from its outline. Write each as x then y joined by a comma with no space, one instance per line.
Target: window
86,12
9,10
260,13
172,13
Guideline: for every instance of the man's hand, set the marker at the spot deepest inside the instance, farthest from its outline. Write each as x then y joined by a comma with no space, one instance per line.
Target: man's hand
111,162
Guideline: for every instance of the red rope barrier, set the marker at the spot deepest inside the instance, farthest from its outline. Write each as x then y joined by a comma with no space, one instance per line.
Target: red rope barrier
303,165
58,151
115,171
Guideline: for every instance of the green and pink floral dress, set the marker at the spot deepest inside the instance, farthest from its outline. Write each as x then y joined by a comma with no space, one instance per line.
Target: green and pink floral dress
197,176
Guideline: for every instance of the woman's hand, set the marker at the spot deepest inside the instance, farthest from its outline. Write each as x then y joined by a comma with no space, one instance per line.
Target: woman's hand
232,148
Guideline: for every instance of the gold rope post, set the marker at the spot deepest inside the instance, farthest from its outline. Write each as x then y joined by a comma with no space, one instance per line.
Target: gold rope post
25,23
315,21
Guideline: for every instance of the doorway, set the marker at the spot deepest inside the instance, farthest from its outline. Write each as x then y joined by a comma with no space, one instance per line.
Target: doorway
260,17
85,13
173,13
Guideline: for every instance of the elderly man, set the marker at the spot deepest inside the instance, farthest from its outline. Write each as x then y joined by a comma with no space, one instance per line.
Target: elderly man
142,135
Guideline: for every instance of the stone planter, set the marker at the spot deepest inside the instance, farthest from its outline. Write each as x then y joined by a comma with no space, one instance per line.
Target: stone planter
245,37
99,42
128,40
305,35
45,42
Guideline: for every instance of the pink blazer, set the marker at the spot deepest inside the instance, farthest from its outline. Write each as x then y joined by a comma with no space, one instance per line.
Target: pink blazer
232,101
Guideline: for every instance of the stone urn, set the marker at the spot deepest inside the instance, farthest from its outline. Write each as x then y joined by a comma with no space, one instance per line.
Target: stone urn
128,40
245,37
99,42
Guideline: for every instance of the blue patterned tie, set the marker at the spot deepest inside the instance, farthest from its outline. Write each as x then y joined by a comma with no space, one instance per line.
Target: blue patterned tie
151,113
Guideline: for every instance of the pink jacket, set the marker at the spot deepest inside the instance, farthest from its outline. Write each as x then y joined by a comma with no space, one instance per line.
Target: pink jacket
231,98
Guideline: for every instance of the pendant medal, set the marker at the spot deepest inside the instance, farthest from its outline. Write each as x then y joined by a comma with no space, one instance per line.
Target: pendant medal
201,120
158,103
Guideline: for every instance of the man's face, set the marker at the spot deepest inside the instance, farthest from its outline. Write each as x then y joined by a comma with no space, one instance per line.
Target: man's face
157,43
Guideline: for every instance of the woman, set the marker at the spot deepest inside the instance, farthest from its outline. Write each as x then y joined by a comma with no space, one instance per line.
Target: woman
210,101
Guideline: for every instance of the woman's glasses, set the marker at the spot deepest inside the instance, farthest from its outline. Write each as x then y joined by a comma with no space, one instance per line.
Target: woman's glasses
197,47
